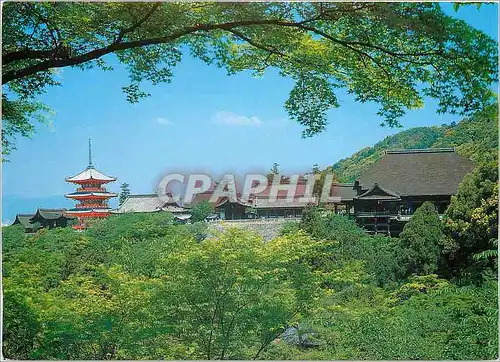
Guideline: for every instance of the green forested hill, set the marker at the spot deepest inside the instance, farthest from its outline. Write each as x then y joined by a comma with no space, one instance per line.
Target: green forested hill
473,138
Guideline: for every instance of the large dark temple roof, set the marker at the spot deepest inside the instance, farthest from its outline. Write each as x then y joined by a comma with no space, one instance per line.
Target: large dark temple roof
418,172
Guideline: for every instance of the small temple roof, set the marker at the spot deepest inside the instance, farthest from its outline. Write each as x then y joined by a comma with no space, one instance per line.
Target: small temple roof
24,220
224,200
146,203
376,192
205,196
85,194
173,208
301,189
202,196
90,173
419,172
49,214
346,192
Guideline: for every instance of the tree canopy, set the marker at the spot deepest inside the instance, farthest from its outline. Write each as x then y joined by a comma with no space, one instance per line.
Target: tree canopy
393,54
202,210
140,286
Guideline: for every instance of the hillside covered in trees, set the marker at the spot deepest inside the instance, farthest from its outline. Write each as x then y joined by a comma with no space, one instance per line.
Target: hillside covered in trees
472,138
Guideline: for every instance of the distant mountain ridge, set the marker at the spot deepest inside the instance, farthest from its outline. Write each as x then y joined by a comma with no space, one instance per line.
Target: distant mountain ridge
474,138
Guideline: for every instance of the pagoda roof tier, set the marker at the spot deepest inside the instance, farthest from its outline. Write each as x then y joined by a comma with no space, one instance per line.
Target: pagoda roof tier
90,195
91,213
88,210
90,174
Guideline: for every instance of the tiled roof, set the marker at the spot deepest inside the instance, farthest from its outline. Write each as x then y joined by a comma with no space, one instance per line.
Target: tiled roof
85,194
49,214
24,220
147,203
141,203
90,173
346,192
300,190
88,210
378,193
206,196
418,172
203,196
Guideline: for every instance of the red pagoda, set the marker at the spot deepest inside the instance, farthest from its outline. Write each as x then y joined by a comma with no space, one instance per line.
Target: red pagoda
91,194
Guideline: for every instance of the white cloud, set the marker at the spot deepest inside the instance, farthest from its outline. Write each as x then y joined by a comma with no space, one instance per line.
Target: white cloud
232,119
51,126
164,121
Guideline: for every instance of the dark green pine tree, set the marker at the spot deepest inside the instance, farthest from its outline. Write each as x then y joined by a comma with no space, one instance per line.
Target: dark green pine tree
125,192
420,242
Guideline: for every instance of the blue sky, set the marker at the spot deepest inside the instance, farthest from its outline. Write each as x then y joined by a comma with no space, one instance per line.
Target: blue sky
203,120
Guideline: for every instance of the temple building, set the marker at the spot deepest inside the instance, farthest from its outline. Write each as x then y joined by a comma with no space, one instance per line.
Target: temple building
390,191
224,208
282,207
25,221
149,203
91,195
44,218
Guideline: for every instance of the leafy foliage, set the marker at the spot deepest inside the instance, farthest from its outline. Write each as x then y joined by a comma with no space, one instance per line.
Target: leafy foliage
472,222
234,294
438,322
201,210
344,242
17,120
140,286
393,54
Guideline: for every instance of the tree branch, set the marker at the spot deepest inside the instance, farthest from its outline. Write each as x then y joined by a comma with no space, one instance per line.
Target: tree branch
123,32
117,46
97,53
26,54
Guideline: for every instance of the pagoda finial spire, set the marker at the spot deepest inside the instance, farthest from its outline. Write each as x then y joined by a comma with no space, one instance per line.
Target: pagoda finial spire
90,154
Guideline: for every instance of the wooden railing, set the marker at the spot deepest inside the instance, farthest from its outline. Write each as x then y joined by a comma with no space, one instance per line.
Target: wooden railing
373,213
